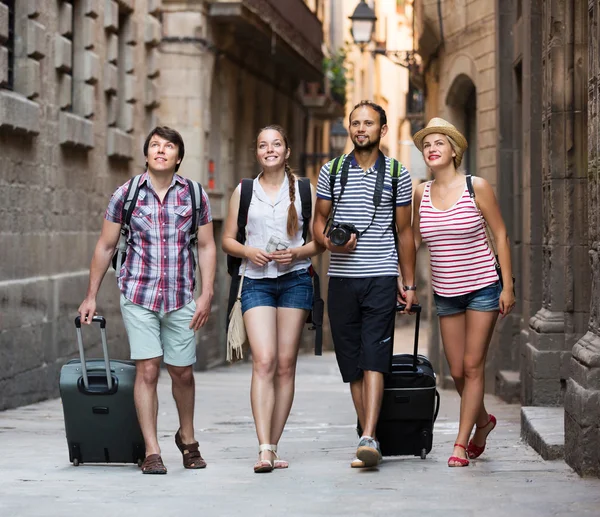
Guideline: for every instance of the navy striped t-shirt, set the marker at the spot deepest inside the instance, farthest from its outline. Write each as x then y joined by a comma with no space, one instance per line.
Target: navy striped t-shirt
375,253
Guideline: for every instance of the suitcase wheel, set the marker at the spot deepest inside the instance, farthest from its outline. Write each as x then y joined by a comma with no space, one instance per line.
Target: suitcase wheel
423,454
76,462
140,461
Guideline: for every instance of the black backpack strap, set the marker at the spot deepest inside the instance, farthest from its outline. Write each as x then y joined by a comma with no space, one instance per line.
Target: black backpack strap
470,186
306,199
131,196
245,198
333,172
234,263
318,310
345,170
378,192
247,185
196,197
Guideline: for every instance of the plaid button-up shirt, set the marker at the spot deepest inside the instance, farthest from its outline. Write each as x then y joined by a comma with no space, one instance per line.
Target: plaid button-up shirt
158,271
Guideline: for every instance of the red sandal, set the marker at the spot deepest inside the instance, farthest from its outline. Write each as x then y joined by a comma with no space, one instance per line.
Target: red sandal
462,462
474,451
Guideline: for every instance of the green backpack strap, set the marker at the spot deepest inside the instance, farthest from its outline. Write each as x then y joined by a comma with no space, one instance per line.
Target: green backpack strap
336,166
395,167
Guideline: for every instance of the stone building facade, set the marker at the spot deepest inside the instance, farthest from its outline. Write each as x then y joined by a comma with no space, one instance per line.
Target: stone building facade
77,95
81,84
546,72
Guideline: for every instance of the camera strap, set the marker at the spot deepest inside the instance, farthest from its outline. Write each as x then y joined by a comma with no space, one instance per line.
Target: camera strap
335,168
378,192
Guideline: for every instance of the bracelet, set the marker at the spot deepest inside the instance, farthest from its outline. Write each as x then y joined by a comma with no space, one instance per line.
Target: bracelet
410,287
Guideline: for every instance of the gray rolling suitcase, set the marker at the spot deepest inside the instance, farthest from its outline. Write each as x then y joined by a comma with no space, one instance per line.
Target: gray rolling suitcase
100,418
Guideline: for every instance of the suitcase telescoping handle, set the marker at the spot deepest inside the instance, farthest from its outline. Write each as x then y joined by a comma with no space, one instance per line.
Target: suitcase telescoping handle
416,308
102,321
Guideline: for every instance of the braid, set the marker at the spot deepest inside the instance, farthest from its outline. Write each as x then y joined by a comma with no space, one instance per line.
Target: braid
292,219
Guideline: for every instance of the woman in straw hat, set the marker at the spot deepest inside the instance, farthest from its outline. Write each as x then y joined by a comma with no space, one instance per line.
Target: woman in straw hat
468,292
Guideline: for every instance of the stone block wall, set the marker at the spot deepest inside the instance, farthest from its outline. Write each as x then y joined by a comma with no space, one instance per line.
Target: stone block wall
582,397
582,407
63,156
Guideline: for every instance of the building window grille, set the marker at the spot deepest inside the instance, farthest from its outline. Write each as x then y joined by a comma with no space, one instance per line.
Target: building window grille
10,44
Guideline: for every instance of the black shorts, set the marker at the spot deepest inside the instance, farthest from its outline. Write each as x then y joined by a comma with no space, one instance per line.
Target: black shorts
362,314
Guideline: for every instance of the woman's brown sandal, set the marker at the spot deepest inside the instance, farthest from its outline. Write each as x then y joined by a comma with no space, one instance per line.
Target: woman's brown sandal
192,459
153,464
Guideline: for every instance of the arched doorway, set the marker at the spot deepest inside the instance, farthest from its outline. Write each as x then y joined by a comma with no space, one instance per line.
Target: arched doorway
462,105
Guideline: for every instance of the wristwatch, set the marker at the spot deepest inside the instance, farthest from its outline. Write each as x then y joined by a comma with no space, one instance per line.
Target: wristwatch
410,287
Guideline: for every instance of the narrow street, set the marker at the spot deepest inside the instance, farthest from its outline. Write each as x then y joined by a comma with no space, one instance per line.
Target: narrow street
510,479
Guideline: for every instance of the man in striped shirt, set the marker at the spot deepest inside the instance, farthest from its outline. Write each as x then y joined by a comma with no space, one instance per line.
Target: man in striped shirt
363,272
157,283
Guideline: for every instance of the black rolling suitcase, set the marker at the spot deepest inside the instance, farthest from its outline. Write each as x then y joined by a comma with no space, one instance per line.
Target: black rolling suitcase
100,418
410,403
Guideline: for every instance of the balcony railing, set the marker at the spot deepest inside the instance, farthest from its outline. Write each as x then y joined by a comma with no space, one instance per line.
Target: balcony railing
298,15
291,20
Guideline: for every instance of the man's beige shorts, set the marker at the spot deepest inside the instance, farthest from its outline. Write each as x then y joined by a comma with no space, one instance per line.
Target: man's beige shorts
155,334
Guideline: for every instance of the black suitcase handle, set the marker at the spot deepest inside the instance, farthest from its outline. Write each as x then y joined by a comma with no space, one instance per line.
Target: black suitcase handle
416,308
95,319
102,322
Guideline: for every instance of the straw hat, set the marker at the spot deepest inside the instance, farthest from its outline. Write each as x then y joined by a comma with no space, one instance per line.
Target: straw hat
439,125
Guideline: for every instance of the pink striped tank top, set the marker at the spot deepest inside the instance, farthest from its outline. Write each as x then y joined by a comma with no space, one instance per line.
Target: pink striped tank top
461,260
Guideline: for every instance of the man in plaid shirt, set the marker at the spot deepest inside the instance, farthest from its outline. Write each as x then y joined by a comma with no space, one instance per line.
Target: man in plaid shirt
157,288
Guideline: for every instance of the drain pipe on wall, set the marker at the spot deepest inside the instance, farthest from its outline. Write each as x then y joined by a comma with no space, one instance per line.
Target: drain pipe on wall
439,6
436,53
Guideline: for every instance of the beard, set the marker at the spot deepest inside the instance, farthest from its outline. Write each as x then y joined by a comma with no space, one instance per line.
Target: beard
369,145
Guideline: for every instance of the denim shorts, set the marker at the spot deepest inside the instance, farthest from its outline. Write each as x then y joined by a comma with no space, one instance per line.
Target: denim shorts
293,291
486,299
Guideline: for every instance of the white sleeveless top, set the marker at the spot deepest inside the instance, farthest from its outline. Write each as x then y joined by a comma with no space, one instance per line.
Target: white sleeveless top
267,218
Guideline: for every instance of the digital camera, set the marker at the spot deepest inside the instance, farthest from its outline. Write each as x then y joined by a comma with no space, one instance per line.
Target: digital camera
339,233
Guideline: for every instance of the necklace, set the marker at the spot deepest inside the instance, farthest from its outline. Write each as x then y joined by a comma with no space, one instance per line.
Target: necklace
447,189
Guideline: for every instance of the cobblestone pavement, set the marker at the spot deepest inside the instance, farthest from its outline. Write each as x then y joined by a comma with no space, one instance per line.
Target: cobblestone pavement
36,478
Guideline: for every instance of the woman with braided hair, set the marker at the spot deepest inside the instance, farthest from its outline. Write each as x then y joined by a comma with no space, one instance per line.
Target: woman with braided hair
277,290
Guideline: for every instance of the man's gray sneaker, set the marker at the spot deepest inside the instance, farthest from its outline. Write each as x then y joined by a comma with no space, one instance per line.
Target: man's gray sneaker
368,452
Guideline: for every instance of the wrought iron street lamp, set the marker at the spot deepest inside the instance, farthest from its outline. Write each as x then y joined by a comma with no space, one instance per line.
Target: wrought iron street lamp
363,24
337,137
